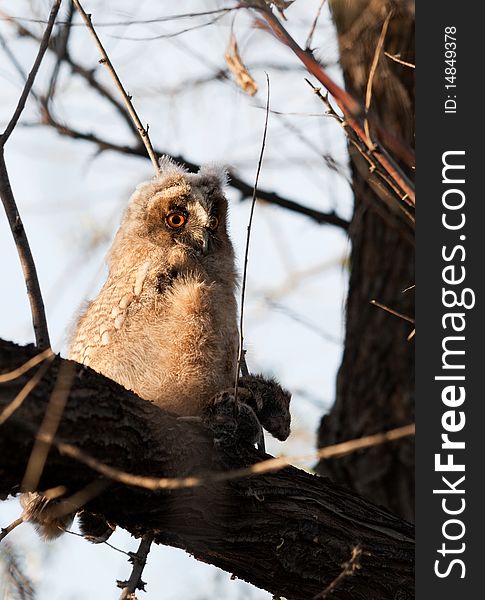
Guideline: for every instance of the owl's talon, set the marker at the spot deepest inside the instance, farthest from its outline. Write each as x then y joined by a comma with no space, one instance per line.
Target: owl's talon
270,402
231,421
94,527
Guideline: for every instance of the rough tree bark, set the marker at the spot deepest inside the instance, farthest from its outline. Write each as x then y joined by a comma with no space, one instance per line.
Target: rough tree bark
375,385
288,532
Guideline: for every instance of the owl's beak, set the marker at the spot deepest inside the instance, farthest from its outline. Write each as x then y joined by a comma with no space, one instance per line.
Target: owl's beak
205,241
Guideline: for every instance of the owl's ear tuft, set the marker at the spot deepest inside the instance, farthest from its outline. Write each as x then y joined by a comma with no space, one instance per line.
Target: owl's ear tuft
169,168
215,171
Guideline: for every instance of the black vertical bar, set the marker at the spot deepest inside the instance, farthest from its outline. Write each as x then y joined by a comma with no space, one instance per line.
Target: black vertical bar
450,241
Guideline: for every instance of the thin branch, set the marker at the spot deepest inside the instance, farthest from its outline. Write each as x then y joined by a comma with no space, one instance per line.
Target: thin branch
48,427
348,569
361,146
34,293
87,74
264,466
23,248
61,44
395,58
246,252
309,39
15,62
4,531
31,77
167,36
127,99
34,361
73,503
352,109
16,403
138,21
304,321
392,311
15,582
372,72
80,535
246,190
139,559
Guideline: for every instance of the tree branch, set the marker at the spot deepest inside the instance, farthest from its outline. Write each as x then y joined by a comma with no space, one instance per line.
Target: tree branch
143,131
34,294
352,109
6,194
246,189
288,532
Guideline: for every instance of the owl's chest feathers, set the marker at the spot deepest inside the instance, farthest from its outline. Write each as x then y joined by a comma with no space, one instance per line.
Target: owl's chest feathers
174,341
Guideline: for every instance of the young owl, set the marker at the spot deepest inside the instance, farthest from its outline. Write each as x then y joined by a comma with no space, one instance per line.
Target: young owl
165,322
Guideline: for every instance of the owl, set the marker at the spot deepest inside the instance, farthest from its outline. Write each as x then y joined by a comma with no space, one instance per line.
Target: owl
165,322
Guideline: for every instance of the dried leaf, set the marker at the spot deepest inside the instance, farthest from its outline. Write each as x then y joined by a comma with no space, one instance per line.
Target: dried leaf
238,69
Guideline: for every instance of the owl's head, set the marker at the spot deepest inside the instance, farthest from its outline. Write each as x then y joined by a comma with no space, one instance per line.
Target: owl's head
178,209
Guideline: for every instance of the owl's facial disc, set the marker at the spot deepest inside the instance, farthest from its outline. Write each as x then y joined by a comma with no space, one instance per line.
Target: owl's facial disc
193,225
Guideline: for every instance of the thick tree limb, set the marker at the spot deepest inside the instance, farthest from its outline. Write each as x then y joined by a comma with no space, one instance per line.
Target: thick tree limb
288,532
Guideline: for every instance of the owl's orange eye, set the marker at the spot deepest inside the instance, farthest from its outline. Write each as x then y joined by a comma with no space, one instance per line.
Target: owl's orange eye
214,223
176,220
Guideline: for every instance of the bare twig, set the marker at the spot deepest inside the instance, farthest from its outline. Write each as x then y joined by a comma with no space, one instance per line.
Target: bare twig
80,535
352,109
15,582
246,190
171,35
309,39
87,74
127,99
265,466
23,248
73,503
31,77
360,145
4,531
372,72
246,252
396,58
61,44
348,568
139,560
15,62
127,22
26,390
19,371
392,311
48,427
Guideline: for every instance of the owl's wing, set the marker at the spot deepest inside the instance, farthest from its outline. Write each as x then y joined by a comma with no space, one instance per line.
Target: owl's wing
107,312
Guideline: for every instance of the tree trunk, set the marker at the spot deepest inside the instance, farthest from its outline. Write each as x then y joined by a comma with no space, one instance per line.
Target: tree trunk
375,384
288,532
